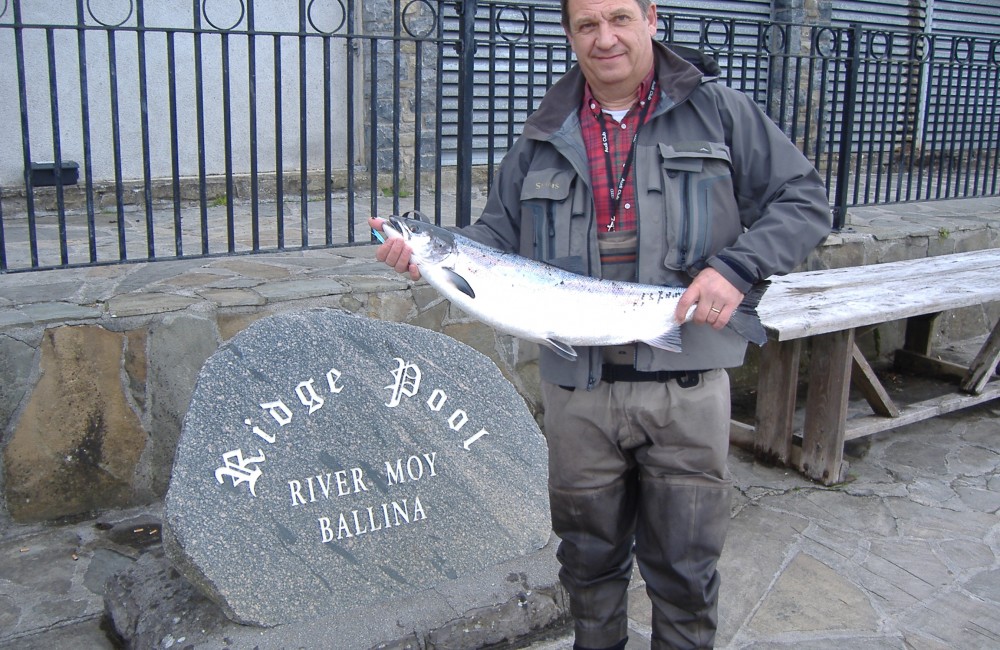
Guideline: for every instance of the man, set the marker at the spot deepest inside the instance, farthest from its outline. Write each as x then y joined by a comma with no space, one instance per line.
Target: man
696,188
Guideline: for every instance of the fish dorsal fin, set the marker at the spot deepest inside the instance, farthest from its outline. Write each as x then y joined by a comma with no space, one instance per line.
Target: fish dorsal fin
460,283
564,350
669,340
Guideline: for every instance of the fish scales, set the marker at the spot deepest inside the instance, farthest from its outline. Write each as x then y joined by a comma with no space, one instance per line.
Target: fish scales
543,303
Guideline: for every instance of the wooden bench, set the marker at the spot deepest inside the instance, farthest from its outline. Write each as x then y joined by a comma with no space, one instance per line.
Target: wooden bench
828,309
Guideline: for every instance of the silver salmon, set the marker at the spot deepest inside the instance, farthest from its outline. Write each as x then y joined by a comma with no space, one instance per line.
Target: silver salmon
553,307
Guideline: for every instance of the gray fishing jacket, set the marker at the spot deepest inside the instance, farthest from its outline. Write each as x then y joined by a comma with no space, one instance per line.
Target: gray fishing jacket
717,184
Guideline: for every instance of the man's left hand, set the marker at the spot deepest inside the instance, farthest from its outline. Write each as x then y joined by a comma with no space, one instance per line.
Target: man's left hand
715,296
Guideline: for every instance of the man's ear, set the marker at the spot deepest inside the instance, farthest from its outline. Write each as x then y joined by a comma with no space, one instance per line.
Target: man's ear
651,19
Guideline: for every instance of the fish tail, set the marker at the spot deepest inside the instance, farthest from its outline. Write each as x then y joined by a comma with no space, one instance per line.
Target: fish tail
745,320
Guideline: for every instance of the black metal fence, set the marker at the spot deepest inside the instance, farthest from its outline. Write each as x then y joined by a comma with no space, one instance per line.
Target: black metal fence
136,132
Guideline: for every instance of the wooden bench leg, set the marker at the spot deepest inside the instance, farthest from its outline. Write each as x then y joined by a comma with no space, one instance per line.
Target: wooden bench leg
826,406
863,376
984,365
920,333
776,393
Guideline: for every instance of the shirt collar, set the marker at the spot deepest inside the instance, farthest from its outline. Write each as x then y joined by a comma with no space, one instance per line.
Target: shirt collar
591,103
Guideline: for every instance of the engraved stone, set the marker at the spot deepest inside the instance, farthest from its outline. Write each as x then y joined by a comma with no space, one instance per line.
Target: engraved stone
329,461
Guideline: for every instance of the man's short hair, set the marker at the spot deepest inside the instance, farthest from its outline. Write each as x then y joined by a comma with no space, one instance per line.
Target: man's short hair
643,6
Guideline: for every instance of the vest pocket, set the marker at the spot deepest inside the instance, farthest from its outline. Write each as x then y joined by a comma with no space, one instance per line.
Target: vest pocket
696,179
542,195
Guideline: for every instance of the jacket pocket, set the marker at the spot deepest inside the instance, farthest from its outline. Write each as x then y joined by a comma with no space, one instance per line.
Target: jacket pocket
544,196
696,180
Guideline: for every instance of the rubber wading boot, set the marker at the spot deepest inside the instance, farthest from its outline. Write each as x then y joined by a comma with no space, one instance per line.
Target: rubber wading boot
679,538
596,527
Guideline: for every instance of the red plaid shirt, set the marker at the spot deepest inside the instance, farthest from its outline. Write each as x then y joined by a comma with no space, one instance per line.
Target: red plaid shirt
619,142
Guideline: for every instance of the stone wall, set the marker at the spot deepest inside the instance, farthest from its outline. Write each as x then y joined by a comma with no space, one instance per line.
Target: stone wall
97,365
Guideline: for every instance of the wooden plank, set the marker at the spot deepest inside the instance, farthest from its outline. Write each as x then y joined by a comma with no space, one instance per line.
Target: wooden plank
871,424
826,406
920,332
865,379
985,363
923,365
820,302
777,385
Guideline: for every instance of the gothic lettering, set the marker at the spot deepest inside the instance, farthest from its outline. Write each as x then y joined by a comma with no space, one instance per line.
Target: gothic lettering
332,378
472,439
238,469
308,396
278,411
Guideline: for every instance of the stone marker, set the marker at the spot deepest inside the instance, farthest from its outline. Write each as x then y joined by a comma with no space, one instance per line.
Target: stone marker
329,461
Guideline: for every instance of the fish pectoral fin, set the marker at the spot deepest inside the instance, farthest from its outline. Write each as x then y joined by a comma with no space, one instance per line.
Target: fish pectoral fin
460,283
669,340
564,350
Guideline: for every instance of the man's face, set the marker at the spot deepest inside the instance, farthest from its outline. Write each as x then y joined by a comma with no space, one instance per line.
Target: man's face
612,42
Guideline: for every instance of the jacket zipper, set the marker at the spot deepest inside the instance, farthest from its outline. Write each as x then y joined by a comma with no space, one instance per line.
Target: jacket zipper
682,245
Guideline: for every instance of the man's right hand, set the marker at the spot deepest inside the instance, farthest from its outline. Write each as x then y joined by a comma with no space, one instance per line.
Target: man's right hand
395,252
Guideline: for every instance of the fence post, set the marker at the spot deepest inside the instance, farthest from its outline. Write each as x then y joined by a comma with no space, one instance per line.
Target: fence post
847,127
466,81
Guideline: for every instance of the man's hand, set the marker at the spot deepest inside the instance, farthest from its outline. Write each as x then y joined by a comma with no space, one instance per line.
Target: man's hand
394,252
717,299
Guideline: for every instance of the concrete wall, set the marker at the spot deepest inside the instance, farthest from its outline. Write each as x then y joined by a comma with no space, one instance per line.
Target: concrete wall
97,366
159,17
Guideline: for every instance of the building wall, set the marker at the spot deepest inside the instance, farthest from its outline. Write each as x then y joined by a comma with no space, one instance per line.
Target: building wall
302,109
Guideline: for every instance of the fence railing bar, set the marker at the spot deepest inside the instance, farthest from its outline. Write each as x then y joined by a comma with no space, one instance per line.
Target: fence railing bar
851,73
438,123
147,172
466,97
50,50
976,139
862,163
88,172
418,125
252,41
948,129
227,141
175,161
116,143
882,96
810,101
374,120
303,128
199,84
327,146
906,147
985,135
351,120
494,18
22,93
279,167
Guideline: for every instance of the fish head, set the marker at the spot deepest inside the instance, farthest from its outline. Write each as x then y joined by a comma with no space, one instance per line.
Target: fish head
430,243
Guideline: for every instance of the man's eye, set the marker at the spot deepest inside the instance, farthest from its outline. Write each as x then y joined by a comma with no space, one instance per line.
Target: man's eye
622,20
585,28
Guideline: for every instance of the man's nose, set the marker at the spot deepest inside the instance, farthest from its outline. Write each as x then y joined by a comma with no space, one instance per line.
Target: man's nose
606,36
